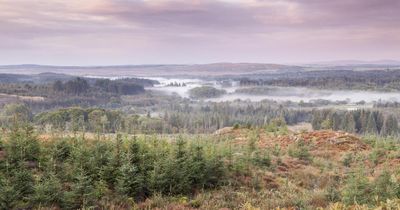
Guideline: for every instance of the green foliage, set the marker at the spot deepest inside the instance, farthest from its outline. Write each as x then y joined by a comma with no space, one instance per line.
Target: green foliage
261,158
16,187
357,189
376,155
384,187
15,115
72,173
47,191
347,159
361,121
300,150
236,126
277,126
81,193
23,146
390,126
206,92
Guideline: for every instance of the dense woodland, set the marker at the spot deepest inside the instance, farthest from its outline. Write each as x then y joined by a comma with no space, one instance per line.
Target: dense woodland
359,121
383,80
75,92
205,92
75,87
206,118
175,118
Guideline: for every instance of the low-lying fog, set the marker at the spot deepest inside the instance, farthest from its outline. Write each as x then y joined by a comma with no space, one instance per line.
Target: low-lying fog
234,91
182,86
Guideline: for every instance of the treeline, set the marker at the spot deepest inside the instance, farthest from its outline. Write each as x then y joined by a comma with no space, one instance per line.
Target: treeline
209,117
205,92
81,174
80,86
77,92
385,80
176,118
77,87
381,104
199,118
123,87
359,121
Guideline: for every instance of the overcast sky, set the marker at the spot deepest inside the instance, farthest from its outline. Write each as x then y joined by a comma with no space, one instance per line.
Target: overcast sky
109,32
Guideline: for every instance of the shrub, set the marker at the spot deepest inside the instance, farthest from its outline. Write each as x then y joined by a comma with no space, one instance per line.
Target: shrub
347,159
357,189
300,150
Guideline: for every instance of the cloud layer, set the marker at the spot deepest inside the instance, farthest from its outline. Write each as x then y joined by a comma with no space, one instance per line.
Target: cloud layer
89,32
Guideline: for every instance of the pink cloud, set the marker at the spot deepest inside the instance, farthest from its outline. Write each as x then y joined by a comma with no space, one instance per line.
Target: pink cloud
197,31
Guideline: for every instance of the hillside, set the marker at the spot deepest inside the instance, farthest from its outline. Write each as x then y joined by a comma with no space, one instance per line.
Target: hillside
235,168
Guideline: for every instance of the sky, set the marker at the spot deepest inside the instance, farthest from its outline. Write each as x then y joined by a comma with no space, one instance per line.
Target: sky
120,32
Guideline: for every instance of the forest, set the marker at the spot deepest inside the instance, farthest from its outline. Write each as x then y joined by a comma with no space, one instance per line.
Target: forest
98,143
205,92
382,80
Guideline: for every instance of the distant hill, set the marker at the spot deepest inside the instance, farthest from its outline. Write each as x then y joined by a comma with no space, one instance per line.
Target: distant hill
354,65
33,78
199,70
214,69
359,62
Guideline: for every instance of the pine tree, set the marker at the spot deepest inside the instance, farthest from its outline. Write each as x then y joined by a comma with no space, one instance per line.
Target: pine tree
336,122
48,191
356,189
316,120
364,120
383,187
197,168
380,119
390,126
371,125
8,193
130,181
81,194
349,123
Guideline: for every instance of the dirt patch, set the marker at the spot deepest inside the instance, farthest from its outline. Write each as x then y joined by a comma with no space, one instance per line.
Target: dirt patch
223,131
318,140
307,127
339,141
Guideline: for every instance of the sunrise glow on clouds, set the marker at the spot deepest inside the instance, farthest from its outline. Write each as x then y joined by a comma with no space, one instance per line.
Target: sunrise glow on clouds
103,32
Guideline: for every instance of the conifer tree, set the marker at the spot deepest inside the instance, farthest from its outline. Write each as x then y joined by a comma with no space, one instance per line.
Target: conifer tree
383,187
336,122
316,120
379,121
371,125
390,126
81,194
47,191
364,120
349,123
357,188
